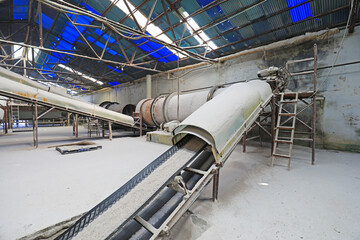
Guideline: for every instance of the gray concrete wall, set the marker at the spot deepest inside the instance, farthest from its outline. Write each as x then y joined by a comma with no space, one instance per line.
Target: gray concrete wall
338,116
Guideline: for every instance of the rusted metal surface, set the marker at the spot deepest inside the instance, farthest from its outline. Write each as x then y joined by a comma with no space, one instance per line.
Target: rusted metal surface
213,90
216,184
36,126
144,107
157,110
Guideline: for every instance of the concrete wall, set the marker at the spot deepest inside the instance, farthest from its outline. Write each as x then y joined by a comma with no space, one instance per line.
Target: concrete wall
338,114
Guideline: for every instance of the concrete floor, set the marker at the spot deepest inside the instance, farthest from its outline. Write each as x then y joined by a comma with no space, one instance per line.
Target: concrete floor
41,187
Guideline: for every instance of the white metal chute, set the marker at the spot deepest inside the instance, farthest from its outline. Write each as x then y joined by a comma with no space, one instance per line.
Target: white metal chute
11,88
222,121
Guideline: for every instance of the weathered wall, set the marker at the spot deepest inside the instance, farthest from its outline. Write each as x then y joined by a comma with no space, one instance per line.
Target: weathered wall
338,116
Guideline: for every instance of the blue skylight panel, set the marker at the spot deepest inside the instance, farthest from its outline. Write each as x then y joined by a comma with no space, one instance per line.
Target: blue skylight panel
84,19
115,69
20,9
114,83
217,12
90,39
99,44
301,12
46,21
70,34
64,45
112,52
105,36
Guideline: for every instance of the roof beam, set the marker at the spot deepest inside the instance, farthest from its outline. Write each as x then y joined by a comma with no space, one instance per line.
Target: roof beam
261,19
168,19
214,23
285,26
77,55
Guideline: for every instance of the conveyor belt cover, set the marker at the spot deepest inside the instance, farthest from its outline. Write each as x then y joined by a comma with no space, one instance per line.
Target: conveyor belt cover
221,121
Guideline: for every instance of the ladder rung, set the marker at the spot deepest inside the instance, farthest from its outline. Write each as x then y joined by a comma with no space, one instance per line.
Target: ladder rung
287,114
283,141
285,128
289,93
288,101
281,155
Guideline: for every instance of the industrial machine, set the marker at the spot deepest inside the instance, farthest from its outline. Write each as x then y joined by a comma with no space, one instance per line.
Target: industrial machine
165,108
150,203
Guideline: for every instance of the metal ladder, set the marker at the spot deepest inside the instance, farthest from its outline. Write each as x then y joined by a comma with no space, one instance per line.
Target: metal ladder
15,112
283,127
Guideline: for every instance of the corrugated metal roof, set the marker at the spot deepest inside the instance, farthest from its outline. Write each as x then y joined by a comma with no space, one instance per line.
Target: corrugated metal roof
232,26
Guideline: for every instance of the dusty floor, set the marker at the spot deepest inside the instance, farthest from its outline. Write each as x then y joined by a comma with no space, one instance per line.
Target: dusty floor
260,202
40,187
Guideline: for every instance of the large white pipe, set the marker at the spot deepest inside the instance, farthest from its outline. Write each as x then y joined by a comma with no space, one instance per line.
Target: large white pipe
15,88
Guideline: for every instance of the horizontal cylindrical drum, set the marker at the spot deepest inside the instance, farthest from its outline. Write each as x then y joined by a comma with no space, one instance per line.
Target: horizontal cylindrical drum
164,108
157,110
144,107
127,109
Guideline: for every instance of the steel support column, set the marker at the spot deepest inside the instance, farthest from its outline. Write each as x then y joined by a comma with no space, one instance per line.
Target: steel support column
110,131
273,119
4,108
76,125
215,195
313,122
35,126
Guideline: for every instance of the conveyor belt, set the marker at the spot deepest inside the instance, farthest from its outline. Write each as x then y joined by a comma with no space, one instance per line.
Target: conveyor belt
138,214
123,204
169,205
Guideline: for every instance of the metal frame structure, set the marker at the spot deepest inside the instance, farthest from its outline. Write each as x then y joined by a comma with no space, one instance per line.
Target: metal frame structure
275,105
51,107
83,57
303,96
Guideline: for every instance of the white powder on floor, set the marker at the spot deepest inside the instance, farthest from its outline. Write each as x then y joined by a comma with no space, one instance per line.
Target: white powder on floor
111,219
